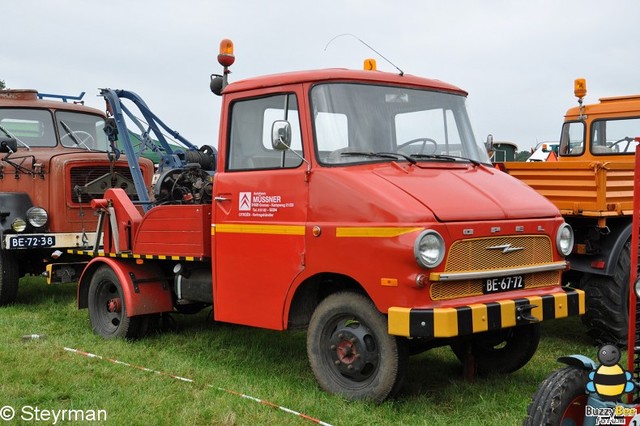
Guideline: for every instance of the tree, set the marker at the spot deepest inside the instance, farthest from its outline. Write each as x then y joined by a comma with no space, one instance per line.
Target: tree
522,155
2,85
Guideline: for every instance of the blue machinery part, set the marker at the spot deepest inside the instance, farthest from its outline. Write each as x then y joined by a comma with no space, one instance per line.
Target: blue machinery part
171,158
64,98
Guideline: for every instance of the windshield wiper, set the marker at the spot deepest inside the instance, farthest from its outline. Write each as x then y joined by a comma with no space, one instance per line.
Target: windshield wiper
392,155
6,132
446,157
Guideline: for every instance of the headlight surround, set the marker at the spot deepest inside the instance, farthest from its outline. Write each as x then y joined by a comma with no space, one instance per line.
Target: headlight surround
429,249
564,239
37,217
19,225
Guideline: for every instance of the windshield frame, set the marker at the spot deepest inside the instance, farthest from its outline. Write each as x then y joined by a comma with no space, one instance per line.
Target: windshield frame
348,115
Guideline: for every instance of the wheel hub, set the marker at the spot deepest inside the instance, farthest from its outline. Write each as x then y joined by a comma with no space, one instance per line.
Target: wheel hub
354,352
114,305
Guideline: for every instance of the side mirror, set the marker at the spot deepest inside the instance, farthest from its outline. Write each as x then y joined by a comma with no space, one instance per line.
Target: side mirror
216,85
8,144
281,135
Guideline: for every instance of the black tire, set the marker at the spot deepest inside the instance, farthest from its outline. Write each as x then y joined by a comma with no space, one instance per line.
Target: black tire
9,277
560,399
350,350
607,302
501,351
107,308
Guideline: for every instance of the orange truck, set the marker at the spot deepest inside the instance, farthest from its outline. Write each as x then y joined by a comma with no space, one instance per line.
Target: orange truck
52,164
356,205
592,184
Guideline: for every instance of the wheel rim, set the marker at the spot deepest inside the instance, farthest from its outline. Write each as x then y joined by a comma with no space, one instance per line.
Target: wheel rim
574,413
108,307
350,351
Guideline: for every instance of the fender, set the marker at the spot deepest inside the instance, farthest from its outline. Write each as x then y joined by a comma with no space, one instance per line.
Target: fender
611,248
151,297
577,360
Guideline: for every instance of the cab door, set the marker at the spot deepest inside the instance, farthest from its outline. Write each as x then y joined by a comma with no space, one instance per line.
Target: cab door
260,208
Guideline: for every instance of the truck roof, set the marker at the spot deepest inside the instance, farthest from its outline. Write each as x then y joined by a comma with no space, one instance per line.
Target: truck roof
28,98
610,105
340,74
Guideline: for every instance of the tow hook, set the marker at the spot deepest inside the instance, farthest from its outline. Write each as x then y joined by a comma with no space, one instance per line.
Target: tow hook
524,313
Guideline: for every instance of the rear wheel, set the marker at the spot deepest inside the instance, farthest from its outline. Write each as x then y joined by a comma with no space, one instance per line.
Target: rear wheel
560,400
9,278
350,350
107,308
607,302
501,351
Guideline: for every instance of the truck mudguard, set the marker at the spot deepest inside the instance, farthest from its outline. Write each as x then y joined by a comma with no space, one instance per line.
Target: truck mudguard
578,361
144,287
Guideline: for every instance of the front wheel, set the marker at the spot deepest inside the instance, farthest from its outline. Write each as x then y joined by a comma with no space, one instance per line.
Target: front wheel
501,351
560,400
9,278
350,351
107,308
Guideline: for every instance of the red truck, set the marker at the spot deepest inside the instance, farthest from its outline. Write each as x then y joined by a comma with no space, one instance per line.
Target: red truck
356,205
52,164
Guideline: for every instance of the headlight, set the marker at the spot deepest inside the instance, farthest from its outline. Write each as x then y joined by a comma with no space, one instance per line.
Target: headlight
37,217
564,239
19,225
429,249
636,287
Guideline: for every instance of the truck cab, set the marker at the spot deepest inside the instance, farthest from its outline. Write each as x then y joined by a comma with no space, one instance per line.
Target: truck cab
356,205
53,162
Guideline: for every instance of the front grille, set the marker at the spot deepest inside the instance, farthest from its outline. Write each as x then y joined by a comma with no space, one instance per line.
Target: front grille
80,176
473,255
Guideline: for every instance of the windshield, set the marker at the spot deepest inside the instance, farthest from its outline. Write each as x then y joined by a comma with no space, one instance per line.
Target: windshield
30,127
35,128
81,130
356,123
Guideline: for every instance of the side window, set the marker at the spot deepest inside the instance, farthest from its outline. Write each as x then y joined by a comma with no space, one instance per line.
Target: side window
572,138
250,137
615,136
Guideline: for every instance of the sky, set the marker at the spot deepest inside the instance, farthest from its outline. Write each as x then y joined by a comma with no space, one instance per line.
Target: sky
516,59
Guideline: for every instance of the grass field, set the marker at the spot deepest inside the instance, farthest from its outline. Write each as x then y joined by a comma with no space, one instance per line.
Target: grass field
264,364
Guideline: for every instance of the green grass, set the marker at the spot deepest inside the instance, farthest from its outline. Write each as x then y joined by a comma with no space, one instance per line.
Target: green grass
265,364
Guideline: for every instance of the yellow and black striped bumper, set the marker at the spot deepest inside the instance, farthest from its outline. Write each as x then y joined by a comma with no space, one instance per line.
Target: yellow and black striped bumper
480,317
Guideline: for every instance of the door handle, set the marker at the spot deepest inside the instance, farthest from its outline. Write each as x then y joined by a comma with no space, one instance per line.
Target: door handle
219,198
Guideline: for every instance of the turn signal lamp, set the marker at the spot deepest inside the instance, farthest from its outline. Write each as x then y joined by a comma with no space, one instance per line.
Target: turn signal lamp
225,57
370,65
580,88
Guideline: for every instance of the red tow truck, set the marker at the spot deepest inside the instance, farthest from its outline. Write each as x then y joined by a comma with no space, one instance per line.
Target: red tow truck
356,205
